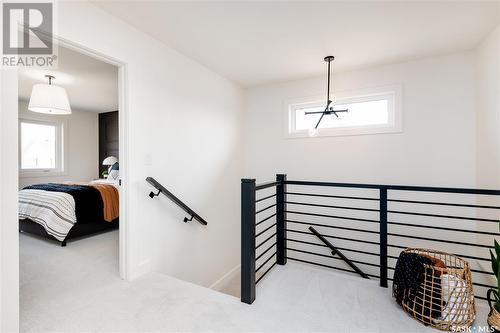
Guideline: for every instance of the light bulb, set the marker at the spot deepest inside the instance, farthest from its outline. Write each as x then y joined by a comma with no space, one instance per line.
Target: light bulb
313,132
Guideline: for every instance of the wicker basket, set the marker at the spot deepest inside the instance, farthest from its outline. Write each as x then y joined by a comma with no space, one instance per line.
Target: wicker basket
445,299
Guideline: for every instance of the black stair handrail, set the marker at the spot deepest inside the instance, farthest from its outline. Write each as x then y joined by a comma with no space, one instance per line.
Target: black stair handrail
177,201
336,251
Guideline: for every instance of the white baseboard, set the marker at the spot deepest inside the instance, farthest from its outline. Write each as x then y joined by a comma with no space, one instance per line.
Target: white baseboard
217,285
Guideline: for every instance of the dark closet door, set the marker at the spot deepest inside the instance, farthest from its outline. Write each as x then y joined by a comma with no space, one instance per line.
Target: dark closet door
108,137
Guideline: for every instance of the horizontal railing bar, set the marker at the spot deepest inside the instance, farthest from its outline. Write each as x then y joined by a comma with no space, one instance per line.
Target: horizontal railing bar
443,203
266,185
265,262
444,228
459,255
330,206
333,216
264,209
264,220
398,187
340,248
482,272
334,227
444,216
270,247
265,241
305,242
265,272
332,196
438,240
329,184
327,266
263,231
265,198
333,257
443,189
483,285
335,237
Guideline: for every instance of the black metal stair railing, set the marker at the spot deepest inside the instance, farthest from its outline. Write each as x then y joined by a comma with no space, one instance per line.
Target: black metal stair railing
368,224
162,190
336,251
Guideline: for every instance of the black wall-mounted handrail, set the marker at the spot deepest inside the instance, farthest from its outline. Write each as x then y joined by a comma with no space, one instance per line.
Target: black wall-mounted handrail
336,251
177,201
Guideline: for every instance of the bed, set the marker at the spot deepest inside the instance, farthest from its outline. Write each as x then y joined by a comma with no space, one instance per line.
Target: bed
61,212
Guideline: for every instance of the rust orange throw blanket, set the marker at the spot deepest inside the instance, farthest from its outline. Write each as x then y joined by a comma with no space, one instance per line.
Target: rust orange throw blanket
109,195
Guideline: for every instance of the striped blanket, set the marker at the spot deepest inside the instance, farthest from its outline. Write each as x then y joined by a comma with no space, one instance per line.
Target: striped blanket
55,211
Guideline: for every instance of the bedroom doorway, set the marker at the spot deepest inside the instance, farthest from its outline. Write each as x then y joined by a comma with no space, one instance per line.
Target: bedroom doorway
72,174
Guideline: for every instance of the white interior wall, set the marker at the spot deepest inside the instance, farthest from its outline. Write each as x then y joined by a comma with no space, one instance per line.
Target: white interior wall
488,111
82,146
436,147
183,129
488,128
183,124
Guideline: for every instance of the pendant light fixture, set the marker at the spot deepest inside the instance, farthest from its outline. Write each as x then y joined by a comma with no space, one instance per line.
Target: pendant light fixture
329,103
49,99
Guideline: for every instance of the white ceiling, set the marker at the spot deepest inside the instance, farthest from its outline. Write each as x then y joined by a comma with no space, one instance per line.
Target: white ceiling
91,84
254,42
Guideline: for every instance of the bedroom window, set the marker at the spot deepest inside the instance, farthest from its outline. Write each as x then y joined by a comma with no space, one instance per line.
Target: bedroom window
371,111
40,147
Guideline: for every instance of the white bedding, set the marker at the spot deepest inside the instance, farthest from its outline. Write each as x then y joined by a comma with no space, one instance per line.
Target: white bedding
55,211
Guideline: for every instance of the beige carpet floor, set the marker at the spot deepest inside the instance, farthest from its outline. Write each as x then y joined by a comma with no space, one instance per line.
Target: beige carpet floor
77,289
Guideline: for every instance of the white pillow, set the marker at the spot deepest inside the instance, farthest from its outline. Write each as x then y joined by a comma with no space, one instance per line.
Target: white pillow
114,175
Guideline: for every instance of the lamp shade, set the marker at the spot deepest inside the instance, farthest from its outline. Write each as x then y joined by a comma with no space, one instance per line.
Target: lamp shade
110,160
47,98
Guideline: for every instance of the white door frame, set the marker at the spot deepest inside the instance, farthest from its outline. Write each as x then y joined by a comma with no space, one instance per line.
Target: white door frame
9,170
9,225
124,257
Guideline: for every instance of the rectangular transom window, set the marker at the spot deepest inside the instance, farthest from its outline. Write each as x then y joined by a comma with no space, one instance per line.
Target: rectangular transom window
40,147
371,111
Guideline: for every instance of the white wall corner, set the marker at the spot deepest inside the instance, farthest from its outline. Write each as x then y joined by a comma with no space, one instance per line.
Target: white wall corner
142,269
226,278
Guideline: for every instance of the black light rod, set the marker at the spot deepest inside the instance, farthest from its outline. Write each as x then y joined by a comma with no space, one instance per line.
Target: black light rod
318,112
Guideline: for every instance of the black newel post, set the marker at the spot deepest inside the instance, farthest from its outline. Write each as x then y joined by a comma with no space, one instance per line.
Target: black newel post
248,240
383,237
281,220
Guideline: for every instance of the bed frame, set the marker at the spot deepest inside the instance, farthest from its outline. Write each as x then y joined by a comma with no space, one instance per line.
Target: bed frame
78,231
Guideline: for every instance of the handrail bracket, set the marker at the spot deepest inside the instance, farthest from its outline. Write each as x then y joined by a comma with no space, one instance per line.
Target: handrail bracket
186,220
177,201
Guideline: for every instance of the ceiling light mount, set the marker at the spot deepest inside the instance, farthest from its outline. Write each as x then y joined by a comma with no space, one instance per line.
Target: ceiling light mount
52,77
329,103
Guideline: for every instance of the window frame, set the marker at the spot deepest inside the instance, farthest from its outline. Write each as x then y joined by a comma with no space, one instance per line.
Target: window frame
61,149
393,93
